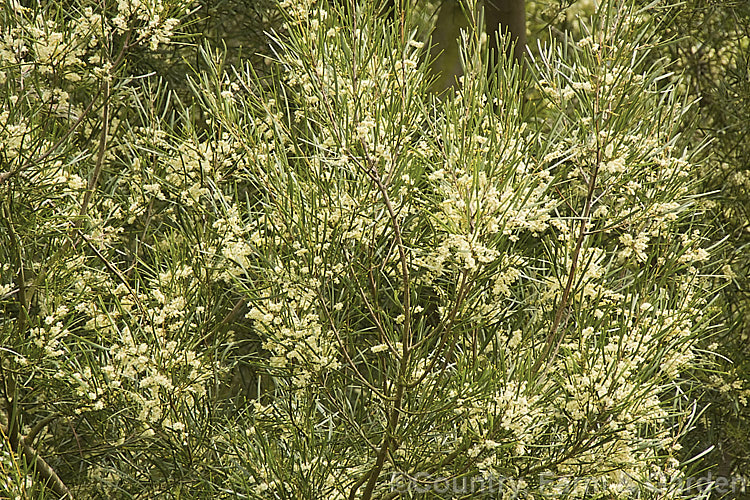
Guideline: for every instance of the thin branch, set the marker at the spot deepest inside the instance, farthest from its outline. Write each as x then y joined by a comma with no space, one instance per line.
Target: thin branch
94,180
41,425
41,467
4,176
549,353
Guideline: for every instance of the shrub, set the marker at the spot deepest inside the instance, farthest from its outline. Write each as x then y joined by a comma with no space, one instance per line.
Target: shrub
335,283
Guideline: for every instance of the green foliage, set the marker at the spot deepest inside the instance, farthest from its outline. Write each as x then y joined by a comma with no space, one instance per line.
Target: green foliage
710,48
310,277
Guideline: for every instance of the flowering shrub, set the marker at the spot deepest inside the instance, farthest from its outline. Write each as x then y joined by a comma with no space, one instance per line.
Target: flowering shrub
335,278
714,64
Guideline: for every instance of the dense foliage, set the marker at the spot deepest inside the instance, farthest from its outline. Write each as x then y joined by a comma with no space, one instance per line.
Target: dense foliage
281,266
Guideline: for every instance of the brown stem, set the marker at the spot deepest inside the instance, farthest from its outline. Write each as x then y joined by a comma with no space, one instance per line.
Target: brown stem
552,337
4,176
94,179
395,414
42,468
40,425
563,306
387,438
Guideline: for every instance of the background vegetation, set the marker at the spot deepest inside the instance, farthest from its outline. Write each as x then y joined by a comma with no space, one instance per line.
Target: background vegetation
249,252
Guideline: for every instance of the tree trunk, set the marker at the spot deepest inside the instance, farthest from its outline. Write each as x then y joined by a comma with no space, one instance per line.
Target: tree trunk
507,16
447,62
501,17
